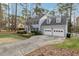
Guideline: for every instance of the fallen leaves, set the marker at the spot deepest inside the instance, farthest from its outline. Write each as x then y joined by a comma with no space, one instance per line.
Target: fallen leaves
53,51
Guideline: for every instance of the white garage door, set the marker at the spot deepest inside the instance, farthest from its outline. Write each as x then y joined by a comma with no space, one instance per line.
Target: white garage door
47,32
58,32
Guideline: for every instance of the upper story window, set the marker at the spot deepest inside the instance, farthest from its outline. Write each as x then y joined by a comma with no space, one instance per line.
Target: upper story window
48,21
58,19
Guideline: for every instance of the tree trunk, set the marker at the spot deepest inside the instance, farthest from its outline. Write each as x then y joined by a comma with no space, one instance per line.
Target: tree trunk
8,18
16,17
70,18
1,15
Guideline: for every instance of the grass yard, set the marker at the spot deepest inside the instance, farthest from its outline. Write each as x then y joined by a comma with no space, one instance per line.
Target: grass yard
6,35
10,38
72,42
13,37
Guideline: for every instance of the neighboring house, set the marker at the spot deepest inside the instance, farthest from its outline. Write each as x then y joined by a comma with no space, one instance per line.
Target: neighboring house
20,25
50,25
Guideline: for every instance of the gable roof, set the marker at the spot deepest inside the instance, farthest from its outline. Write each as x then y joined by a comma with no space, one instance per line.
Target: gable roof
53,21
35,20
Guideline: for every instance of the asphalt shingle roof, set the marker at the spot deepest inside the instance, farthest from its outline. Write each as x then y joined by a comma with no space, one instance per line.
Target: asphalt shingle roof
35,20
53,21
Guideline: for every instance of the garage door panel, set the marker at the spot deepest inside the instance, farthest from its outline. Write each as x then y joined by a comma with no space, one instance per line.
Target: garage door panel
54,32
58,32
47,32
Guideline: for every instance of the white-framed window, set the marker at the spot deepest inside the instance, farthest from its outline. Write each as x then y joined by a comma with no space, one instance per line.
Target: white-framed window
58,19
58,31
48,30
48,21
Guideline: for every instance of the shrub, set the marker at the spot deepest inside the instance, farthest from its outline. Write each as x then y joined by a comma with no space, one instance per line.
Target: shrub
21,31
26,35
36,32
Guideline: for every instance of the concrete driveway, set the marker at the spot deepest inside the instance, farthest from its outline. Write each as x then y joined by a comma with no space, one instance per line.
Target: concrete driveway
26,46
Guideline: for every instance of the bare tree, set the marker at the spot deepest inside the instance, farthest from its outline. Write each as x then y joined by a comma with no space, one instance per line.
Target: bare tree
15,17
0,16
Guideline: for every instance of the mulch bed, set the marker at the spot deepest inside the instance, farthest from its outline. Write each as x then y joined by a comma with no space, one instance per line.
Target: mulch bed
54,51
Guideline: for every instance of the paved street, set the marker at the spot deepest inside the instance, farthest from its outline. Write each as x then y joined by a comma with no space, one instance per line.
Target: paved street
26,46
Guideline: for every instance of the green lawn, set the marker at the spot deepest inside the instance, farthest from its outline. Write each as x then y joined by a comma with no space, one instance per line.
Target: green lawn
72,42
16,36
